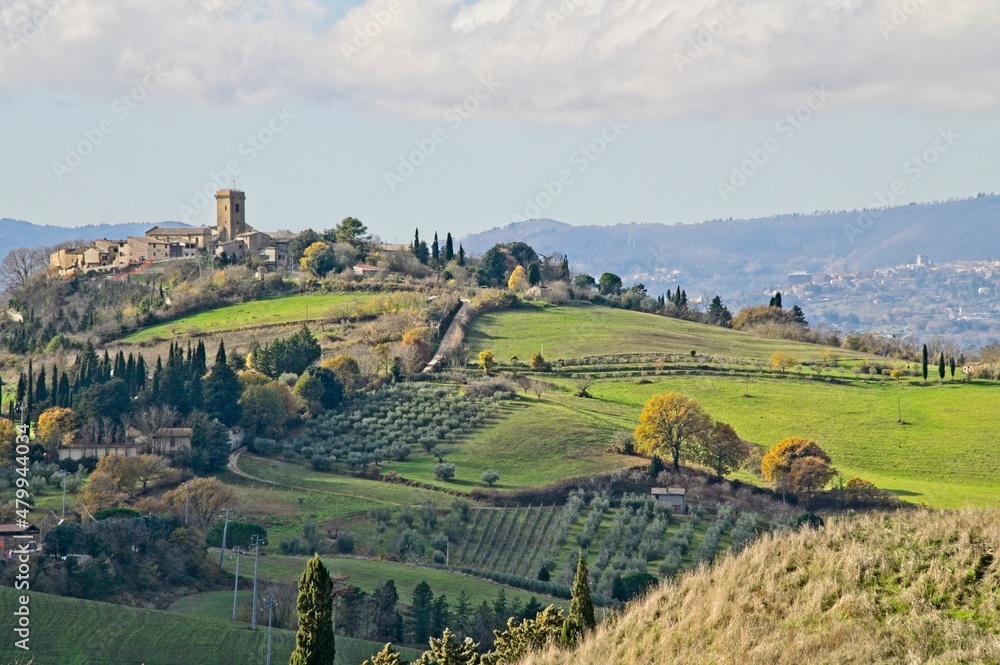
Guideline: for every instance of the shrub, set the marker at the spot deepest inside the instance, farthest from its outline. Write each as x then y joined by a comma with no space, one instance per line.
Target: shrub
345,543
444,471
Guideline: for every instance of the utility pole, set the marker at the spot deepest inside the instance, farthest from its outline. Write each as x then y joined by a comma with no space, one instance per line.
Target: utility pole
270,617
256,554
64,497
225,528
236,584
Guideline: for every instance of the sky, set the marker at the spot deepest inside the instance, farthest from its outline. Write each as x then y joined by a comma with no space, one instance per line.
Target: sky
462,115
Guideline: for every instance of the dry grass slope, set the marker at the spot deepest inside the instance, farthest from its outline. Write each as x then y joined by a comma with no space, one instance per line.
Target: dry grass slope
918,587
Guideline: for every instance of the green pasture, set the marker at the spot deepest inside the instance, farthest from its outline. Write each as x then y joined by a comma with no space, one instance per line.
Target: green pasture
575,331
70,631
300,308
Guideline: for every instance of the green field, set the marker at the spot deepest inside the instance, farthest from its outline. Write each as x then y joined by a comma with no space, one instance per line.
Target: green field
256,313
536,444
587,330
945,455
366,574
69,631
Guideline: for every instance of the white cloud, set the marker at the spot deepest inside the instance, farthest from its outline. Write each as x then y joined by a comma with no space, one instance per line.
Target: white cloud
557,60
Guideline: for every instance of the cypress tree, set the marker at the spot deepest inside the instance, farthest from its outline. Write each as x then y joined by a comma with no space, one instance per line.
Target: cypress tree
30,384
140,373
923,361
580,619
461,255
436,251
416,241
941,366
449,249
21,388
220,355
55,385
951,363
63,396
41,390
314,641
200,360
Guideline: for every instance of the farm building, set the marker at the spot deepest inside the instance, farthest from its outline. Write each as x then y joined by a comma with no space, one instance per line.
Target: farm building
672,495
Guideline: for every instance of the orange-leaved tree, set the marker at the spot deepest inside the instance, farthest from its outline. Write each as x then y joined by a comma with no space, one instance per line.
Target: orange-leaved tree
797,464
671,423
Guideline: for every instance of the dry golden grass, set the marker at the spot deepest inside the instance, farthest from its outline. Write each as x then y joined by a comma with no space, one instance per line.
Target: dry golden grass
918,587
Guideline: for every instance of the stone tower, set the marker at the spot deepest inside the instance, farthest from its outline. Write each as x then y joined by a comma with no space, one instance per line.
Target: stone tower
230,213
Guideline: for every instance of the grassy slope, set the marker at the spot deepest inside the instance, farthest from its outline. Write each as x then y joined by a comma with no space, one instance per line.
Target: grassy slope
944,456
281,310
587,330
905,588
69,631
367,574
536,444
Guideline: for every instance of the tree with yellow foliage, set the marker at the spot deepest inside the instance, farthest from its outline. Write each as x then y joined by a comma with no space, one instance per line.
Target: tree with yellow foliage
8,436
798,465
56,427
346,369
518,281
204,499
783,360
671,423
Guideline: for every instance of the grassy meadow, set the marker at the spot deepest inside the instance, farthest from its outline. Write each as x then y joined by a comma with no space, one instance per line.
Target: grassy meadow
70,631
580,330
282,310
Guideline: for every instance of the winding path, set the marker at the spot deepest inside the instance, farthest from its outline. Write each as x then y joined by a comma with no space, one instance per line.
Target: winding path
453,336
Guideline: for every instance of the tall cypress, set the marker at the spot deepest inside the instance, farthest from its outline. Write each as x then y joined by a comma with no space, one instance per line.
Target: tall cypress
140,373
923,361
461,255
941,366
220,355
41,390
314,641
30,384
22,389
580,619
449,249
436,250
63,395
54,391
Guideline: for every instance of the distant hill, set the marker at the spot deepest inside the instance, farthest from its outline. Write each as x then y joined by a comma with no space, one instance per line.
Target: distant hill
16,233
900,588
743,251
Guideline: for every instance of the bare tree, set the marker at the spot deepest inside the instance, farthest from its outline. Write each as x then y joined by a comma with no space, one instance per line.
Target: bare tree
20,265
151,420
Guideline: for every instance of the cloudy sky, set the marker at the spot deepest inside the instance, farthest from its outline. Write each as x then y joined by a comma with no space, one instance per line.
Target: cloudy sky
459,115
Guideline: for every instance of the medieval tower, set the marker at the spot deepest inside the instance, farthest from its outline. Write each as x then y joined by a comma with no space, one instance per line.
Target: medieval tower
230,213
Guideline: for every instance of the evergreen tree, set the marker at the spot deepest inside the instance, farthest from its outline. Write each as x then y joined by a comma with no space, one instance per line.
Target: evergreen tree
534,274
41,390
200,361
923,361
461,255
415,247
420,613
435,251
384,599
941,366
462,613
314,641
799,315
54,390
441,615
63,396
449,249
580,619
500,607
140,373
718,314
30,385
220,355
951,363
221,392
387,656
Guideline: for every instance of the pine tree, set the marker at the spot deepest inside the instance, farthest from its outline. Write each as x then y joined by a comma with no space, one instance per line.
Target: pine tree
314,641
449,249
923,361
420,613
441,615
581,609
463,610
